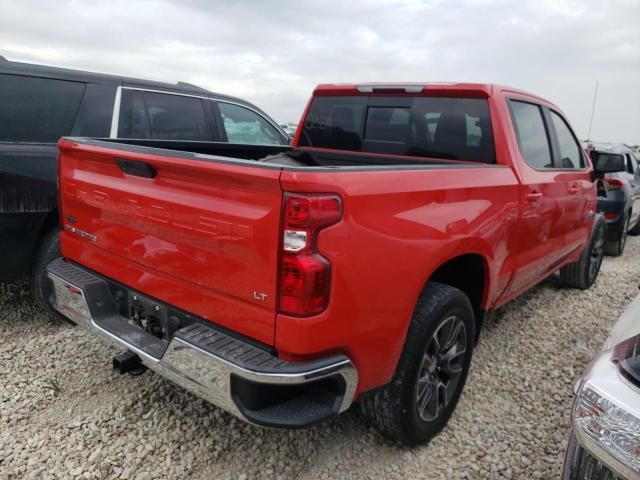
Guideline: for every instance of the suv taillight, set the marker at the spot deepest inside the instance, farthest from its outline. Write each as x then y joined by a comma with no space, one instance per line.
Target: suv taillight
612,183
305,275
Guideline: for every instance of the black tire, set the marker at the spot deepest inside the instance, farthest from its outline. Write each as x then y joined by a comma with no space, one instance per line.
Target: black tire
48,250
615,247
635,231
394,409
583,273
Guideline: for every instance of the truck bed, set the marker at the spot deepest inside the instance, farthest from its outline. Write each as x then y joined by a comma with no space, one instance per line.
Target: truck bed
266,155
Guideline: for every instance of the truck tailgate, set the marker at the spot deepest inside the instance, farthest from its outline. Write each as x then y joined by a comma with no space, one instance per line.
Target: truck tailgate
197,233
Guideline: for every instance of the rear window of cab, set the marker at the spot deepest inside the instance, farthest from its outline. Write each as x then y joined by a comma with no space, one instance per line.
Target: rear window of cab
434,127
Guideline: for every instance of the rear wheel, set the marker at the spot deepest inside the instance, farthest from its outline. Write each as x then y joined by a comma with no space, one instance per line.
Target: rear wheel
432,369
48,250
616,246
583,273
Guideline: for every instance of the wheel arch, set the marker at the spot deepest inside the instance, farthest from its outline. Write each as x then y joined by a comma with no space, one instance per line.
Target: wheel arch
50,221
468,272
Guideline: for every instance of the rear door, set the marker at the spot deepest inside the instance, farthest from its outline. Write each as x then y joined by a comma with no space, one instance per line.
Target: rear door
197,233
551,205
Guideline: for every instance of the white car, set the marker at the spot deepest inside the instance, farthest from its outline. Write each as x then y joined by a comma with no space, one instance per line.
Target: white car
605,437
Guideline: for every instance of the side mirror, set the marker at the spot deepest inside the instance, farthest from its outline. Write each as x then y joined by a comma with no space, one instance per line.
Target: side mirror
604,163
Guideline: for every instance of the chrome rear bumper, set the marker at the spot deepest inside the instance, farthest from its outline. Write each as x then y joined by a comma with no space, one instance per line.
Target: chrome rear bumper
234,374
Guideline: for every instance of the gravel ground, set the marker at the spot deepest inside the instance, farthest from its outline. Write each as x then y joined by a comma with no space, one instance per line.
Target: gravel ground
64,414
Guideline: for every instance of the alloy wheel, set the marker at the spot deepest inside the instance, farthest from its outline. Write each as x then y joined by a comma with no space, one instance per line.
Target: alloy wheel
441,369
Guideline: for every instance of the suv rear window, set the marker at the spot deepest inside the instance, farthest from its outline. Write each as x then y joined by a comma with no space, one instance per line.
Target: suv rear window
38,110
440,127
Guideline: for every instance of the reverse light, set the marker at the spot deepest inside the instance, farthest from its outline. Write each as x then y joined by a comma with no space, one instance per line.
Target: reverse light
294,240
305,275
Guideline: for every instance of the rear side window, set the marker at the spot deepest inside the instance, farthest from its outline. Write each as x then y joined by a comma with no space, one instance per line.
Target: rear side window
96,111
242,125
39,110
532,134
133,122
161,116
570,151
449,128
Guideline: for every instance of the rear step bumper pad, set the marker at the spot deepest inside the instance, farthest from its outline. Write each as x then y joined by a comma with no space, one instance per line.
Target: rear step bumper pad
233,374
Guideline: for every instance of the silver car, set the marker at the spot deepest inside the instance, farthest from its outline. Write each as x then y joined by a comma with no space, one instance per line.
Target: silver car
605,437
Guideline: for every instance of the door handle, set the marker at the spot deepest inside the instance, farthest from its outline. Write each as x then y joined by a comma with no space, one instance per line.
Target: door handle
533,197
574,189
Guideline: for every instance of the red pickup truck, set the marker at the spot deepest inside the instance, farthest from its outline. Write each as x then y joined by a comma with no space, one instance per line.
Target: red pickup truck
285,283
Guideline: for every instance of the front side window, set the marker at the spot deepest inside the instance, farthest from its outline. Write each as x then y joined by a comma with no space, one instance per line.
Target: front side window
570,151
38,110
161,116
436,127
532,134
247,127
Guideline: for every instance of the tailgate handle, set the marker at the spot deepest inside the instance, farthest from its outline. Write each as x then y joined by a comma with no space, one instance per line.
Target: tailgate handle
137,168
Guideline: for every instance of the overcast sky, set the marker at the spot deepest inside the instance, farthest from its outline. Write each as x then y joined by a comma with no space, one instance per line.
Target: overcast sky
273,53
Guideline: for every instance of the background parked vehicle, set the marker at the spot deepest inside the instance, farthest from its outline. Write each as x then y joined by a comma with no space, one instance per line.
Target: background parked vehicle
289,128
605,439
40,104
620,200
358,263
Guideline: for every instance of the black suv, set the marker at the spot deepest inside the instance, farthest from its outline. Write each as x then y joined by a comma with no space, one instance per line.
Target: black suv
40,104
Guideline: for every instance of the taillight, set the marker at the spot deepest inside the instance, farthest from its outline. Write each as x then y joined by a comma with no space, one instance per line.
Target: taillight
613,183
305,275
